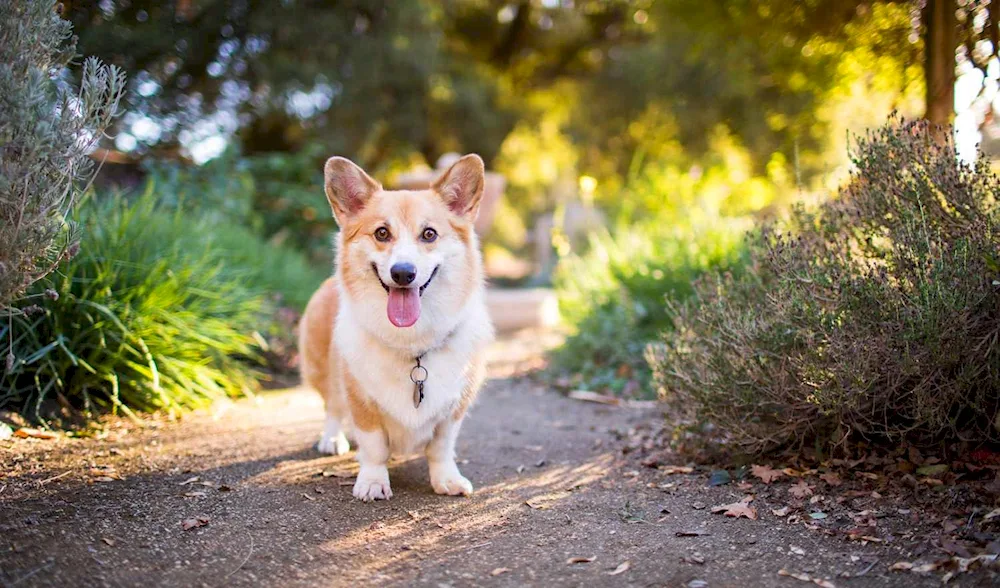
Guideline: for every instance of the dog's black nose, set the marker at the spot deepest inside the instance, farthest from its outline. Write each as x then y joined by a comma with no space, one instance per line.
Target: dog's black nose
403,273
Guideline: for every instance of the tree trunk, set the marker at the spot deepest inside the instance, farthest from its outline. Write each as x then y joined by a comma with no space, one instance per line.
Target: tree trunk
940,41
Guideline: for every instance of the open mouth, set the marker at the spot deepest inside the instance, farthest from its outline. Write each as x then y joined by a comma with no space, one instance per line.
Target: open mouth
403,305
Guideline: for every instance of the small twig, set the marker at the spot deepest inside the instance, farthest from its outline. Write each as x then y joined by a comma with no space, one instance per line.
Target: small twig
866,570
245,559
54,478
481,545
31,573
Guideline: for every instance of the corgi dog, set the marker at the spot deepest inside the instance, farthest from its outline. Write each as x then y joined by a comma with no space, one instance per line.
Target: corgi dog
395,341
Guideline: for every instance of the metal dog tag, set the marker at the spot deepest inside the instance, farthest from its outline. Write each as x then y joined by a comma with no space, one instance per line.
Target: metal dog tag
418,375
418,394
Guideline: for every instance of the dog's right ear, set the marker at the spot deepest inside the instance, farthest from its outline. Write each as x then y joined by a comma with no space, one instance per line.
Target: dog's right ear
348,187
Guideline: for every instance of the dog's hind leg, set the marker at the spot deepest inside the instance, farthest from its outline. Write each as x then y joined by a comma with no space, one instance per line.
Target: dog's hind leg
333,440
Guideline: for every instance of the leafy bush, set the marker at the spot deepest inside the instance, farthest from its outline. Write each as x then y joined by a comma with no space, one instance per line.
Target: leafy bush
876,316
148,316
220,195
219,191
279,196
288,197
275,269
47,130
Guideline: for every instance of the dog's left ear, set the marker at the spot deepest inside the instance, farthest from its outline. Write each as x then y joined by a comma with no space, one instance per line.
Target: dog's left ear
461,187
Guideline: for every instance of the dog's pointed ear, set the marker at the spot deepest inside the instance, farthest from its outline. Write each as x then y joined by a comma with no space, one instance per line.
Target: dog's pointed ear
461,187
348,187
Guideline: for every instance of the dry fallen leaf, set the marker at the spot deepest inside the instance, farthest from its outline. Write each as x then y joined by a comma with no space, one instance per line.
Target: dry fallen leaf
801,489
188,524
738,509
621,569
535,505
589,396
110,542
993,514
780,512
337,474
576,560
766,473
831,478
676,470
25,432
498,571
806,578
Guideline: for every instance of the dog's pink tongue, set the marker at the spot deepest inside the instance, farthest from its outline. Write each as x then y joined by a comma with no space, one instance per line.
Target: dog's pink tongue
403,307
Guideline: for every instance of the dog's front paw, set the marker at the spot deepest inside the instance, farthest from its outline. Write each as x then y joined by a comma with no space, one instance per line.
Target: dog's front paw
446,479
372,486
333,444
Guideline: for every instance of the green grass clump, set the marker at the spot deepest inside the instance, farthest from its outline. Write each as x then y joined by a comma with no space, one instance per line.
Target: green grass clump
150,314
276,269
615,296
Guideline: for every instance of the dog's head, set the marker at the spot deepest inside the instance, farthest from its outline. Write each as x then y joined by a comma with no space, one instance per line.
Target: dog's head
412,251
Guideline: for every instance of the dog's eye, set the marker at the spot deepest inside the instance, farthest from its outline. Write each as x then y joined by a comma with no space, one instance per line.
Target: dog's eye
429,235
382,234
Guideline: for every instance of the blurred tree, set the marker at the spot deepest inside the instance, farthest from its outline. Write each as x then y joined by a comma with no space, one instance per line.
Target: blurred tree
369,78
628,79
354,74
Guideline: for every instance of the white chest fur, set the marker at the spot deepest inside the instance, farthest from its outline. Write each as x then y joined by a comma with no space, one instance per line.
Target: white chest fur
383,372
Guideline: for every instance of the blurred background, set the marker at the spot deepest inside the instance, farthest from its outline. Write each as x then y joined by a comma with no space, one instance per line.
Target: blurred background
632,143
658,115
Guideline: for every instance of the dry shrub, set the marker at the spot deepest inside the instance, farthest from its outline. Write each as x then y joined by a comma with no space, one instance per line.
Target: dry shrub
47,130
874,317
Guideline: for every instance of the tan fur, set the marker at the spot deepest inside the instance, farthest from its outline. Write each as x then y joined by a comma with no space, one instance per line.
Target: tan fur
474,380
364,412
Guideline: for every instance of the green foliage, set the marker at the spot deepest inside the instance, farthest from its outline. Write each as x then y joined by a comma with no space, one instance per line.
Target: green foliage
220,192
148,316
47,130
268,267
874,317
615,297
288,199
275,201
615,294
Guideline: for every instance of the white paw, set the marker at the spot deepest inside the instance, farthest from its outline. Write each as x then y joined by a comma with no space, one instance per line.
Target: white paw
446,479
333,444
370,487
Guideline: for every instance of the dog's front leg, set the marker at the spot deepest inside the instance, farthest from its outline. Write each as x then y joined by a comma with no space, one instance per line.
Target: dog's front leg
445,477
373,477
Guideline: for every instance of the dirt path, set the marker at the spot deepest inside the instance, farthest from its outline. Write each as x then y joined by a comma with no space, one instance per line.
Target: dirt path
551,484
